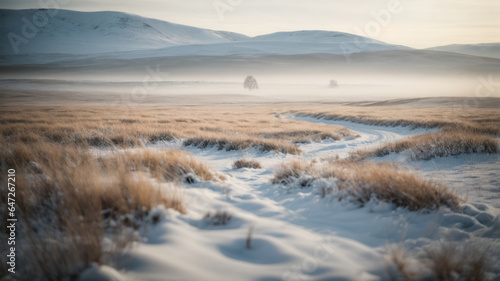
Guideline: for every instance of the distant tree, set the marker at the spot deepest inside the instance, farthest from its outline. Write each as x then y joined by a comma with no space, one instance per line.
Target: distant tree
334,84
250,83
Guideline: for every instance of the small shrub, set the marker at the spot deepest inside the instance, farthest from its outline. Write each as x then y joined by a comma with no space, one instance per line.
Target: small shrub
450,261
246,163
400,263
453,261
289,171
218,218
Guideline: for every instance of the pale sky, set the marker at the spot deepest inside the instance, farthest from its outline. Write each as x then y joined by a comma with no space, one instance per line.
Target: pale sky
414,23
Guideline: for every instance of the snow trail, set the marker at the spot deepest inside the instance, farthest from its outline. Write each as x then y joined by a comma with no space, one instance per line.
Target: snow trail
370,136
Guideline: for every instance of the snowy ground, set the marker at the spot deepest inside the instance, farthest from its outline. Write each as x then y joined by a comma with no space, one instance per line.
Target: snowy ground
297,235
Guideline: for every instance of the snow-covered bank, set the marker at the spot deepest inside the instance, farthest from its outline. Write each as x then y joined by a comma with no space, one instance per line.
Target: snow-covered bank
297,234
475,177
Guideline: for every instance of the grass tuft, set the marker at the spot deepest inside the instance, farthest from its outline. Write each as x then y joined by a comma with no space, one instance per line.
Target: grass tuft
452,261
246,163
362,181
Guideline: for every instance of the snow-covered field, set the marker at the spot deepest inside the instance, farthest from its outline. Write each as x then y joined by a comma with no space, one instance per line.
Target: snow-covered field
246,227
298,235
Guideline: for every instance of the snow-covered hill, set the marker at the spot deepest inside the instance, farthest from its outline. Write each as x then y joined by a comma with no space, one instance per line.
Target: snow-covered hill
251,47
316,36
289,43
482,50
67,31
63,31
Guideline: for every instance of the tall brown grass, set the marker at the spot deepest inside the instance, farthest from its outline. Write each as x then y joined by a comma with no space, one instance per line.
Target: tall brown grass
221,127
362,181
453,261
66,198
246,163
481,120
164,165
428,146
119,181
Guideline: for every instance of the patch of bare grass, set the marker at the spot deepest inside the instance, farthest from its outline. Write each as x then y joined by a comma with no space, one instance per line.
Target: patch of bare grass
256,127
452,261
400,264
218,218
363,181
289,171
164,165
66,200
247,163
466,261
438,144
481,120
242,143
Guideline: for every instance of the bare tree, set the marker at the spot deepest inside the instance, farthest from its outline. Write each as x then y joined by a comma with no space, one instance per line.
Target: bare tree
250,83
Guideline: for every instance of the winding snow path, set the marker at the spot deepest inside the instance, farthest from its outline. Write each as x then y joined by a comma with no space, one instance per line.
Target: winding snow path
369,136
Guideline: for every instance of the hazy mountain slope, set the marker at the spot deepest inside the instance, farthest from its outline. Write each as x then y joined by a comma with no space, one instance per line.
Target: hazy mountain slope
396,62
290,43
97,32
67,31
317,36
263,48
481,50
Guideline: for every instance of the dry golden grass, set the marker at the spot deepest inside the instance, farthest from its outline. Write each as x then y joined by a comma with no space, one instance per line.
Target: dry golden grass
451,261
291,170
387,182
225,128
428,146
465,261
54,254
473,119
164,165
66,197
399,264
246,163
119,181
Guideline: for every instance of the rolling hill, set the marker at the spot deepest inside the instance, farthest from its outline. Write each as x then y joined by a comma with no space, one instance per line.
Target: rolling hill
481,50
72,32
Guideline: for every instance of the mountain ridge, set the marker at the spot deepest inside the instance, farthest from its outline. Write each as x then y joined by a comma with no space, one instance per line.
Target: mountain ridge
482,49
67,31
